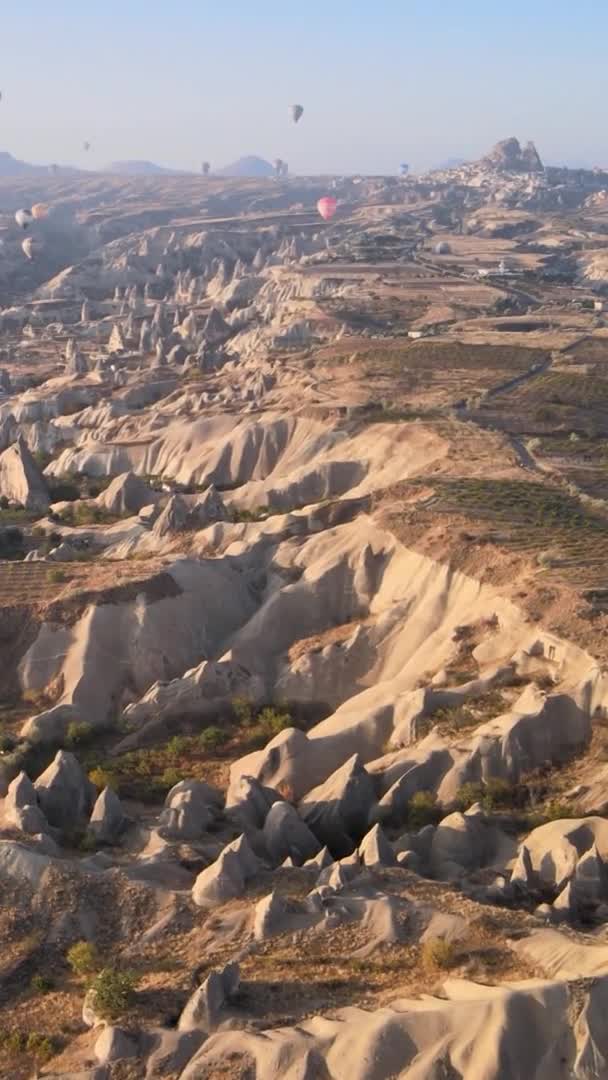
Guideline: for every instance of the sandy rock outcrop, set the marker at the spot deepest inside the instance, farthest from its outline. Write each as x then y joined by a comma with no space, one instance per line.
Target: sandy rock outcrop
191,808
509,156
20,807
337,811
108,819
20,478
64,792
227,877
126,494
287,836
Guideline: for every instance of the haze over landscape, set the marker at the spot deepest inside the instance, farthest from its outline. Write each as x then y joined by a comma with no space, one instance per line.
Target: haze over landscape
303,542
420,81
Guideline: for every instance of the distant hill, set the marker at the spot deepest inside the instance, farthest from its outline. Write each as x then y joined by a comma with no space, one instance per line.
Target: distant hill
140,168
10,166
247,166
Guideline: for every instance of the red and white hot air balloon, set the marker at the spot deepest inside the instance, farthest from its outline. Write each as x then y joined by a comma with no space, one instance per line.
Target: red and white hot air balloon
327,207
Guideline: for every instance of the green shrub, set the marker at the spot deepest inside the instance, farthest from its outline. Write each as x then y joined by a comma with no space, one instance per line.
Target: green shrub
13,1041
468,794
170,778
493,794
270,722
243,712
78,732
82,958
113,992
81,513
212,738
103,778
177,745
87,842
556,810
40,1046
57,576
422,809
498,795
41,984
439,953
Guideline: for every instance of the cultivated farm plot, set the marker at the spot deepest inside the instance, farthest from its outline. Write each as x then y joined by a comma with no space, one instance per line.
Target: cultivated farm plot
447,372
24,583
536,519
555,401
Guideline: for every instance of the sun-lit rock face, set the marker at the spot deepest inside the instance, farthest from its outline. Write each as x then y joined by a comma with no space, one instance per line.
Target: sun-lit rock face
302,619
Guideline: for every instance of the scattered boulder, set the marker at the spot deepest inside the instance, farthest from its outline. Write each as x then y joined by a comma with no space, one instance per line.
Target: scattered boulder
206,1006
20,478
209,508
191,807
179,516
375,849
126,494
227,877
285,834
337,811
524,879
114,1044
108,819
20,807
459,845
64,791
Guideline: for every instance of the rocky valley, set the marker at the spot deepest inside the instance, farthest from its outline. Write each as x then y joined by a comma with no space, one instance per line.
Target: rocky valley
304,626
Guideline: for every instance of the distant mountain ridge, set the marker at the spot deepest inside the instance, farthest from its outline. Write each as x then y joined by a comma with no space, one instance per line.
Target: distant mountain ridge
141,168
247,166
10,166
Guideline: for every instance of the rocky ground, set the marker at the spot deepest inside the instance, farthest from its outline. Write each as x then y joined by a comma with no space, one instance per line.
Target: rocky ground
304,628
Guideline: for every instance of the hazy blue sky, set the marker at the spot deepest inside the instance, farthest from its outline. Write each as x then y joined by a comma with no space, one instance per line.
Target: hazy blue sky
381,81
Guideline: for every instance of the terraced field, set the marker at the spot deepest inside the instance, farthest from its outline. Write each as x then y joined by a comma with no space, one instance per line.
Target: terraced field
24,583
533,518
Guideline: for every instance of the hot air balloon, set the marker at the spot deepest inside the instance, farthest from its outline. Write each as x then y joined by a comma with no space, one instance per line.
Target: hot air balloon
327,207
205,167
404,169
40,210
23,218
31,247
296,112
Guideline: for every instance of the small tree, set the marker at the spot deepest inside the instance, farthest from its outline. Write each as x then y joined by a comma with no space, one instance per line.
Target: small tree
112,992
438,953
212,738
82,958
